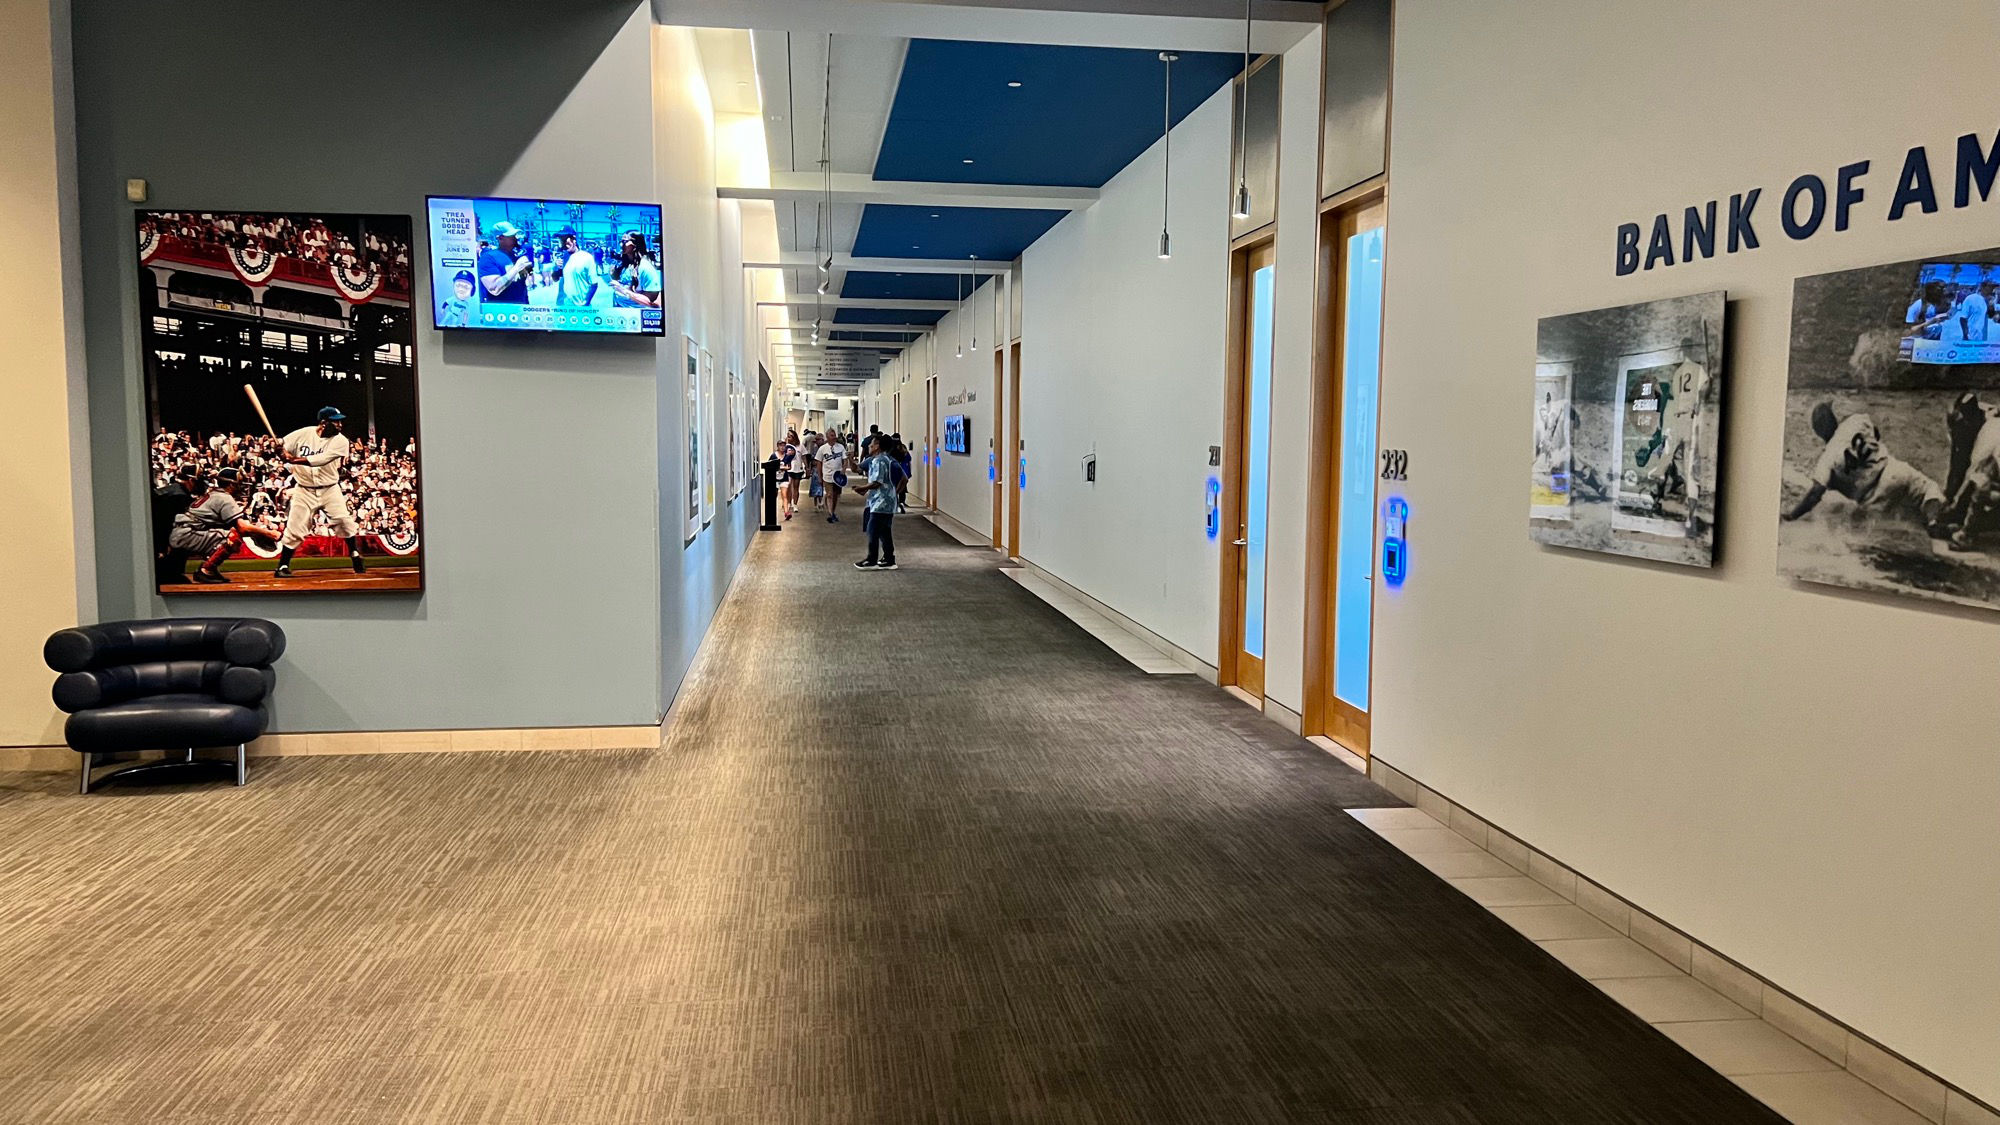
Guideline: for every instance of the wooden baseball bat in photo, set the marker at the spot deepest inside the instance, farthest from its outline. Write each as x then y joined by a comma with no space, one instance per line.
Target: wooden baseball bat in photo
259,407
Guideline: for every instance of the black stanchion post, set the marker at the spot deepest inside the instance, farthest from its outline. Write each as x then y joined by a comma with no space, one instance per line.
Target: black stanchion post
771,497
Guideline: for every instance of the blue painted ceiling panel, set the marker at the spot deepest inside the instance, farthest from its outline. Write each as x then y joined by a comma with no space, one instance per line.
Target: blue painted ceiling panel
876,316
992,234
1079,115
909,286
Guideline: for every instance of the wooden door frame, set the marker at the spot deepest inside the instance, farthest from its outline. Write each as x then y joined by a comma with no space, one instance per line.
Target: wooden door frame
1230,504
1014,449
999,447
1323,482
932,440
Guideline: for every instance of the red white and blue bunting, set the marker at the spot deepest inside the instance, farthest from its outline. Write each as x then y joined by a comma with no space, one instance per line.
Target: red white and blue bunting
253,263
358,284
149,243
402,542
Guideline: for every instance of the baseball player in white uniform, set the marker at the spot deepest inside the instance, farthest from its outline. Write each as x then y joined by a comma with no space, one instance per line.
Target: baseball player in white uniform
315,454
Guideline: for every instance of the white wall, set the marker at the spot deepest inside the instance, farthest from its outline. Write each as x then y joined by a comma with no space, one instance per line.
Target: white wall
964,492
707,295
1802,779
1124,353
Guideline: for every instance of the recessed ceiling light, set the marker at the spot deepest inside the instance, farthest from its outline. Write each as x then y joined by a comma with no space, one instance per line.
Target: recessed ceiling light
934,214
967,160
1013,85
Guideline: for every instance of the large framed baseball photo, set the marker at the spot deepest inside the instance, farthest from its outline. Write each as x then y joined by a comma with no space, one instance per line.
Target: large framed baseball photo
1892,455
281,402
1627,429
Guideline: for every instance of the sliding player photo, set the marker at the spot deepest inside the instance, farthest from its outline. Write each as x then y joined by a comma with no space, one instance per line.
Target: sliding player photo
1892,447
1627,416
281,402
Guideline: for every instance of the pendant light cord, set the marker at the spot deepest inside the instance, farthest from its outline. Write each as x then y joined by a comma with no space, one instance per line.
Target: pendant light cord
1243,112
826,178
1167,136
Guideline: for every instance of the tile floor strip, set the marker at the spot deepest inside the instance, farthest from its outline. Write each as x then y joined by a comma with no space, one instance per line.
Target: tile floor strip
1779,1070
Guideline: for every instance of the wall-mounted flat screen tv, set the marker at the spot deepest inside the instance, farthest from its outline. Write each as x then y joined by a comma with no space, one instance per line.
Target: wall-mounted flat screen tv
1952,314
958,434
545,265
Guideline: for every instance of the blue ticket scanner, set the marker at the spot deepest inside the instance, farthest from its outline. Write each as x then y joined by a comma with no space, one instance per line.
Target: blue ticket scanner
1395,545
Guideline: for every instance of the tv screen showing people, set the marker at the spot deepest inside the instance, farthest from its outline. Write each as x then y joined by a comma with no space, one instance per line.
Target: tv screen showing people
1950,318
545,265
958,434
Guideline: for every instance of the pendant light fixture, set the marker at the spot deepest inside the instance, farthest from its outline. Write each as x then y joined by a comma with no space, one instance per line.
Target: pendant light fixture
1168,58
958,317
1242,210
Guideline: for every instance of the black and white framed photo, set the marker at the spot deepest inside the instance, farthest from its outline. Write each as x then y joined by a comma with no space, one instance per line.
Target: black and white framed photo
1891,478
1627,422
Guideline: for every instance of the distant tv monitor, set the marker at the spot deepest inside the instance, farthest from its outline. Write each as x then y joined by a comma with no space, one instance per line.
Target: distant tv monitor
1953,314
958,434
545,265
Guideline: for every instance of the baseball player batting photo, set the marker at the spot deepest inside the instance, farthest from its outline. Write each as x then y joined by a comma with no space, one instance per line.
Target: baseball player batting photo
246,317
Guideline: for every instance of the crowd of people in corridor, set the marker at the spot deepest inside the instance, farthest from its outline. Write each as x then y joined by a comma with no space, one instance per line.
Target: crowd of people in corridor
819,464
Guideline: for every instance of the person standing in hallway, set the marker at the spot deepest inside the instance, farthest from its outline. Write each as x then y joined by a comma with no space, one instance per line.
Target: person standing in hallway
814,484
793,460
833,474
901,453
879,507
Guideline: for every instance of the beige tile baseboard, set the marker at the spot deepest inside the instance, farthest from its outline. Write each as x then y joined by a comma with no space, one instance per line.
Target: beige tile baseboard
1926,1096
1179,655
966,534
311,744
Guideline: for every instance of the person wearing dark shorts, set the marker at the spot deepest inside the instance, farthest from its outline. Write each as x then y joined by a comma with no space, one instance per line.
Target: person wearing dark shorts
878,511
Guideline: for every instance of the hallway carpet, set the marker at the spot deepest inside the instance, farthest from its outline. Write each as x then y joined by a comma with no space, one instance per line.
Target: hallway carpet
916,850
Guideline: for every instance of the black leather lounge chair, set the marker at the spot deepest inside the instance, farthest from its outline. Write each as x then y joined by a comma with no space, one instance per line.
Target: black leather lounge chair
174,685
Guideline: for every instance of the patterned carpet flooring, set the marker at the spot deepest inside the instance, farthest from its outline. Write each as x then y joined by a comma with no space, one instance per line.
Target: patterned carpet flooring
917,849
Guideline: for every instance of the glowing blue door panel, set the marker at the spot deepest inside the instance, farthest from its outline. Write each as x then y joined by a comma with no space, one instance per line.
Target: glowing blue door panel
1361,375
1257,462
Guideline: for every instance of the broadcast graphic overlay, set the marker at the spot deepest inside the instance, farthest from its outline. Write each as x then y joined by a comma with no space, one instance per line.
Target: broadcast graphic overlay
281,402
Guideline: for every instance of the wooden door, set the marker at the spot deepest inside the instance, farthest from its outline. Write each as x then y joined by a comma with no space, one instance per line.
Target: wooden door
1247,482
1351,505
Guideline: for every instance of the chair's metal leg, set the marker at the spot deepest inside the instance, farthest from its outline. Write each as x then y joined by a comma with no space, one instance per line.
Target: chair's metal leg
83,784
242,764
189,756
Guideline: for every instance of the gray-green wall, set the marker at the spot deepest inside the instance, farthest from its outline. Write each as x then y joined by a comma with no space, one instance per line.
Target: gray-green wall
543,460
